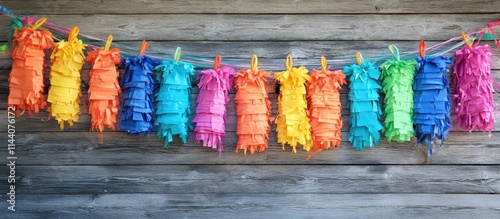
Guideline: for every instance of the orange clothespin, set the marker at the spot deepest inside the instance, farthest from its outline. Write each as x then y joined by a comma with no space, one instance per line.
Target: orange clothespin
422,48
466,39
144,47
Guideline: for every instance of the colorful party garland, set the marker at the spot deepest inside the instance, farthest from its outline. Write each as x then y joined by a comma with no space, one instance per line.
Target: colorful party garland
295,121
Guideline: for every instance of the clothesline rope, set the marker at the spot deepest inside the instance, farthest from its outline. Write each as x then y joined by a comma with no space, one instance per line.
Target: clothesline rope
60,32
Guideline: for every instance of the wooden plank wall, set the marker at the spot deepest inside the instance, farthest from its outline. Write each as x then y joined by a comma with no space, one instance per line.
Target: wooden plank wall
70,175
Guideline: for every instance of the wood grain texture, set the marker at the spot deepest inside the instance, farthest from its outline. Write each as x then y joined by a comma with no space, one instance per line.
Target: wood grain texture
70,175
272,27
243,205
273,53
252,179
249,7
83,148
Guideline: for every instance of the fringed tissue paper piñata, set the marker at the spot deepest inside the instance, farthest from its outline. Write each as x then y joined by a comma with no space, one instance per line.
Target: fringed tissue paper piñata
292,124
64,93
364,104
473,102
211,111
397,76
325,110
253,108
104,87
173,103
138,85
432,100
26,77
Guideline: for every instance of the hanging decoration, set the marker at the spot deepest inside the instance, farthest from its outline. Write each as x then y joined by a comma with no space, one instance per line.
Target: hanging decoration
292,124
26,85
211,112
103,87
325,110
432,99
364,103
138,85
397,76
173,105
472,84
253,108
64,94
15,24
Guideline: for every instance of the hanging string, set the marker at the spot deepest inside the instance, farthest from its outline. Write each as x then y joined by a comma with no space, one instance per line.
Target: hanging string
438,49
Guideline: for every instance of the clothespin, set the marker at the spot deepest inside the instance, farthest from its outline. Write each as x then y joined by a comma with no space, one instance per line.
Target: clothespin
422,48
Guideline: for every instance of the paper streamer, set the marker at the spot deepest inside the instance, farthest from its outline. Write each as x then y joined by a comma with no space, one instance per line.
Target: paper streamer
173,106
292,124
397,76
253,108
211,113
64,94
15,24
138,85
364,104
104,87
432,100
473,91
26,77
325,110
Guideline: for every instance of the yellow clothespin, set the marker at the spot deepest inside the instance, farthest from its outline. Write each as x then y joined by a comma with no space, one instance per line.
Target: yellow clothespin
359,58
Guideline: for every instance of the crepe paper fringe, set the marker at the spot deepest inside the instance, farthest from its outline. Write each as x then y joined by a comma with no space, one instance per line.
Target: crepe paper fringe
26,85
173,105
64,94
253,109
137,83
364,105
325,110
211,111
432,102
473,101
104,88
292,123
397,76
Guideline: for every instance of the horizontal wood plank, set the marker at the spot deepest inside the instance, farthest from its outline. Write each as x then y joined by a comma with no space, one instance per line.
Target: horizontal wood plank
252,179
272,27
83,148
272,54
241,6
243,205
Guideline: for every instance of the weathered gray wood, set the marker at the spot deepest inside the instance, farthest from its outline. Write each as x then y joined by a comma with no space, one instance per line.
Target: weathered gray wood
272,54
273,27
252,179
241,205
83,148
241,6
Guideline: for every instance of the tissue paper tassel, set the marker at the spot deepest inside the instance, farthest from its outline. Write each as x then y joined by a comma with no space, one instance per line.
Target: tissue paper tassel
364,105
473,91
211,110
292,123
26,77
253,109
103,88
432,100
325,108
397,84
173,107
64,93
138,85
